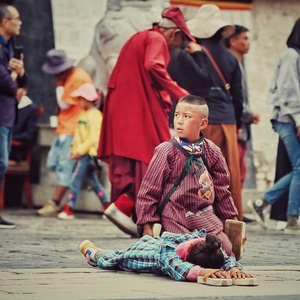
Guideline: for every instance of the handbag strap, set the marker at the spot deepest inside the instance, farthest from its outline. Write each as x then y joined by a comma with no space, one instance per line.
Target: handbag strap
215,65
180,177
175,184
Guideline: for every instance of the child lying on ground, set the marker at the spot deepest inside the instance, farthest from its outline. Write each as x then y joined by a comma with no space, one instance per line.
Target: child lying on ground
183,257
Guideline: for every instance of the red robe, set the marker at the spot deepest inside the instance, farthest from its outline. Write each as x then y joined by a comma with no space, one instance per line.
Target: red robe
135,117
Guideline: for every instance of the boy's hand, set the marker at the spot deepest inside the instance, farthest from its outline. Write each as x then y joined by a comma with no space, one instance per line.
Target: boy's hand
148,230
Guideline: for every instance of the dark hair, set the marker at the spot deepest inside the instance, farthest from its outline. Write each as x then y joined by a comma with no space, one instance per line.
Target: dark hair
237,31
293,41
4,11
207,254
193,99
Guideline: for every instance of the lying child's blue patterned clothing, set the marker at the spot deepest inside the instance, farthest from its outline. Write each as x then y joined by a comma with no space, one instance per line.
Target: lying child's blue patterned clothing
158,256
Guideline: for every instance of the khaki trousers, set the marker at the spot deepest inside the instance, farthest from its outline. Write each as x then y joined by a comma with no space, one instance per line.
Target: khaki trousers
225,137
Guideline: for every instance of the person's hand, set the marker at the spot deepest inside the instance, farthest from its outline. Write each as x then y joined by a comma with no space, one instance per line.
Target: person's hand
70,154
76,156
14,75
192,47
17,66
239,132
255,118
148,229
298,132
217,274
238,274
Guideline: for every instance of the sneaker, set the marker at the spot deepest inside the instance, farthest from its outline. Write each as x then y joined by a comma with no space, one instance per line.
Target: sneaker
86,248
280,225
293,225
258,207
49,209
121,220
66,213
6,225
248,220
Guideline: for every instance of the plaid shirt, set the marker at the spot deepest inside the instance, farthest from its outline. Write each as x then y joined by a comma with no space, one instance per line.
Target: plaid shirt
194,193
156,255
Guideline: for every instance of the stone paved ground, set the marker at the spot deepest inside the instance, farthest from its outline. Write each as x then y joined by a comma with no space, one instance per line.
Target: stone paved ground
42,252
51,243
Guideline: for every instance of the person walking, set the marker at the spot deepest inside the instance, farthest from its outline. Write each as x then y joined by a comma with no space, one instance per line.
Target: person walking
222,89
84,149
238,43
68,79
12,74
135,111
284,96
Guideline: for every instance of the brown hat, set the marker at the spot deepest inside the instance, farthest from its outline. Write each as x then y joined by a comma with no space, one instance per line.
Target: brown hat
57,62
175,14
207,21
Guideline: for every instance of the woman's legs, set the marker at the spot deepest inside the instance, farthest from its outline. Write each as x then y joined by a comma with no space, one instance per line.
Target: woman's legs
289,182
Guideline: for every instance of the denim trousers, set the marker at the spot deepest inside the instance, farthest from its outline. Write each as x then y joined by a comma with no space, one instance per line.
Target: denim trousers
291,181
86,168
5,140
58,161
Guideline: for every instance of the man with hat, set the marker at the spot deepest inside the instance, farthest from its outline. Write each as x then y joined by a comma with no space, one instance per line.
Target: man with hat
68,79
135,111
222,89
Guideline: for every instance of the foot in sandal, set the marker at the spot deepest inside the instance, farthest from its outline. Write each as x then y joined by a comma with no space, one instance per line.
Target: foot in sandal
220,278
241,278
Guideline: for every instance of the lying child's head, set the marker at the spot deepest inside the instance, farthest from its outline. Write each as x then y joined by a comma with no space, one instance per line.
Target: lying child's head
207,254
190,117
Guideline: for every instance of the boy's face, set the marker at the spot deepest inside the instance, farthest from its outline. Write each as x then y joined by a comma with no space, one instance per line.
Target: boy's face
189,120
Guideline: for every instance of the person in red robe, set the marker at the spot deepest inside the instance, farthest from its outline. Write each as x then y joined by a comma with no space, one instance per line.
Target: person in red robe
135,116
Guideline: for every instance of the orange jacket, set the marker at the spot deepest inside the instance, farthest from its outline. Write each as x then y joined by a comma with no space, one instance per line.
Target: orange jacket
67,118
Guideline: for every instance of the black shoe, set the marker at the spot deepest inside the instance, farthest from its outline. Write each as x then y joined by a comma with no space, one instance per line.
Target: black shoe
6,225
248,220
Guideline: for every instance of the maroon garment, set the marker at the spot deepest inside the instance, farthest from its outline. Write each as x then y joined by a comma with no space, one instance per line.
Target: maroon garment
125,176
135,111
188,207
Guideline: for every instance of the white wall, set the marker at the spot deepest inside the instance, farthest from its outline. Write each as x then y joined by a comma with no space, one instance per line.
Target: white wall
74,22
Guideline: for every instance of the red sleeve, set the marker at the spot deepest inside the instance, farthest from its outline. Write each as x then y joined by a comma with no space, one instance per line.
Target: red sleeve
156,60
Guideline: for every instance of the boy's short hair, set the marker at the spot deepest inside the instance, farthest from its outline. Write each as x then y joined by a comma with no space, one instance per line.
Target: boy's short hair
193,99
196,100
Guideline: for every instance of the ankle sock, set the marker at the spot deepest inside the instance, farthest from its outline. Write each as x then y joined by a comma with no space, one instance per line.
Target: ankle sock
91,252
57,202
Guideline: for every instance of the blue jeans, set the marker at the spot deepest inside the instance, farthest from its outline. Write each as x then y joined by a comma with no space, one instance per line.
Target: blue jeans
5,140
58,161
86,168
291,181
